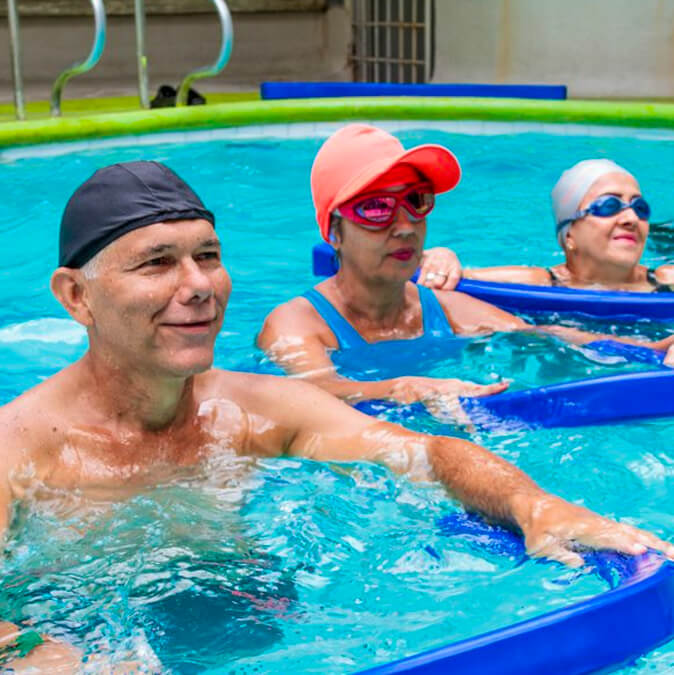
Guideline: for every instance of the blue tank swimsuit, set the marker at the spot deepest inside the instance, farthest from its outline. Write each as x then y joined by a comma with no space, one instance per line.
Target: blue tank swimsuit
361,360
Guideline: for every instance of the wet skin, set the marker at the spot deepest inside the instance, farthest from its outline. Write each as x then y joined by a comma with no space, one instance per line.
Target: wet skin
372,292
617,239
600,252
608,249
144,404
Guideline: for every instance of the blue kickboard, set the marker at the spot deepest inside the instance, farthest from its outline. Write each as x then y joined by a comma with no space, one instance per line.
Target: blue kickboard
608,630
525,298
599,400
580,402
277,90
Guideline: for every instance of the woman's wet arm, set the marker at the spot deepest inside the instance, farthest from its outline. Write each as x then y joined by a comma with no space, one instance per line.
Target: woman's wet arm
510,274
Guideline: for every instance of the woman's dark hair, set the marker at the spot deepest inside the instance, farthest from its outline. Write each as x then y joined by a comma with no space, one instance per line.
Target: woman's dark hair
336,227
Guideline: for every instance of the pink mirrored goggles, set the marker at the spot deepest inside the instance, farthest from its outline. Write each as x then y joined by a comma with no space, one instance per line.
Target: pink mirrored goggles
377,210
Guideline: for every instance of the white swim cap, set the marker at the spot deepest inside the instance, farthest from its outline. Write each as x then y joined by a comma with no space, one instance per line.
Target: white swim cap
573,185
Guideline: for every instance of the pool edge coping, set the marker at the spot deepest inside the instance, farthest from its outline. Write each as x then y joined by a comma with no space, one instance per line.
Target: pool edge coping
651,115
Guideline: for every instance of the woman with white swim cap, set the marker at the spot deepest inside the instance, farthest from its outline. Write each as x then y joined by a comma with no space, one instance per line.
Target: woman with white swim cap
601,222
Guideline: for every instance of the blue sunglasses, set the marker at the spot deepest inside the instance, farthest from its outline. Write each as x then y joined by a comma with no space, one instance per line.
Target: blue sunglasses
609,205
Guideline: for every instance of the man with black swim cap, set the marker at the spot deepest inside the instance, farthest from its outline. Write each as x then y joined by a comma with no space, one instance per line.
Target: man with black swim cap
141,270
119,199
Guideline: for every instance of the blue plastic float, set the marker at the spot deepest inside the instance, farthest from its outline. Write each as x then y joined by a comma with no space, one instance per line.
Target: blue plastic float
608,630
523,298
570,404
277,90
598,400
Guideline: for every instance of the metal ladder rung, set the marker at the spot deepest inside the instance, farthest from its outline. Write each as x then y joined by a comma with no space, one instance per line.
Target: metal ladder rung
227,32
97,47
223,57
82,66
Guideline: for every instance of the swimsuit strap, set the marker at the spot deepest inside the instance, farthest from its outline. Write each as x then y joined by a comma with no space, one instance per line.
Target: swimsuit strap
347,336
554,279
434,317
650,277
657,286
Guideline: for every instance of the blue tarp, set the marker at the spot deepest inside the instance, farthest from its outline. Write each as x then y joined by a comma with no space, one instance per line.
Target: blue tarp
276,90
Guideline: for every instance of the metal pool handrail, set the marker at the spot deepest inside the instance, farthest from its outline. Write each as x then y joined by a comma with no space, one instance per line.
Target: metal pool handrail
141,58
80,67
15,51
223,57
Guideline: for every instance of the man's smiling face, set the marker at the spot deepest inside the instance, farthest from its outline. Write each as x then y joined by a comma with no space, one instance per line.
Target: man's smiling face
158,298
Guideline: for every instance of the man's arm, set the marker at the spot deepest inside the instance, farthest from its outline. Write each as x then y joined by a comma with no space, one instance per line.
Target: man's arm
27,650
325,429
299,343
12,436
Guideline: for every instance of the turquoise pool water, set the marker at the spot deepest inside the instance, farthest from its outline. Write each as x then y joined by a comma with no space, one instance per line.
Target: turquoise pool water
324,566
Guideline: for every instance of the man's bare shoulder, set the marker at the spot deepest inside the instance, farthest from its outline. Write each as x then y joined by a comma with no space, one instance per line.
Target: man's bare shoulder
296,318
37,418
274,397
281,399
247,390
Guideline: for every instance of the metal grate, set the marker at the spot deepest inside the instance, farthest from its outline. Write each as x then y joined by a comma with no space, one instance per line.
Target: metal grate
392,40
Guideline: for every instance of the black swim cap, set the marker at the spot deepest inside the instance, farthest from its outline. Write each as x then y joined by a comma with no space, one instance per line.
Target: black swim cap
118,199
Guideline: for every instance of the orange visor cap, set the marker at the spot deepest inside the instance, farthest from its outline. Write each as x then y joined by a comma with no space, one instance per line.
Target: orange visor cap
358,155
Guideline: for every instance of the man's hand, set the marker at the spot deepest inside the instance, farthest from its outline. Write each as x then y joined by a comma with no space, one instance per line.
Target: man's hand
440,268
48,657
320,427
413,389
556,529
